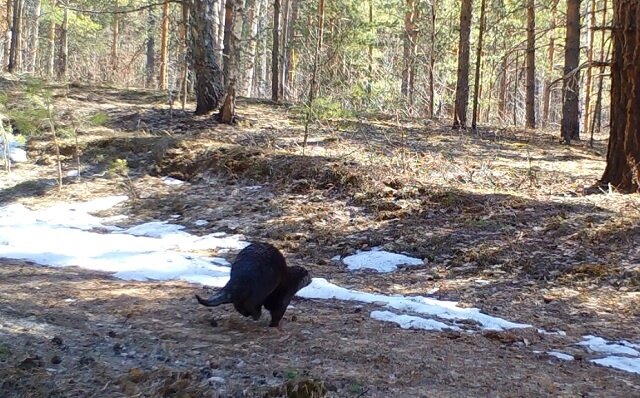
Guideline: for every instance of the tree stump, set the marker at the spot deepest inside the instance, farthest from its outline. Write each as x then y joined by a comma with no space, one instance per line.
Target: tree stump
227,113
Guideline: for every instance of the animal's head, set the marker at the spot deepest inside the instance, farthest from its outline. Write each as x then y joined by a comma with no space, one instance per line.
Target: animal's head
299,276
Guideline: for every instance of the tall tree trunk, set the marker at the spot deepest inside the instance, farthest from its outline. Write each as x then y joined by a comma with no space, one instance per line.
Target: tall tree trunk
16,38
289,58
251,29
261,77
51,56
313,87
34,37
164,39
209,88
114,44
570,128
227,52
531,66
275,53
284,20
623,155
407,46
546,95
221,18
151,51
476,86
597,117
516,81
184,53
7,46
64,43
370,56
462,85
432,59
502,100
590,34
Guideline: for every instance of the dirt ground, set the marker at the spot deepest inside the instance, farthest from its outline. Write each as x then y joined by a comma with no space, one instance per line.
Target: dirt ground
504,218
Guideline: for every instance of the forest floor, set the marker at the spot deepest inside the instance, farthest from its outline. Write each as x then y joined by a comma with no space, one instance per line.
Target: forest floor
503,217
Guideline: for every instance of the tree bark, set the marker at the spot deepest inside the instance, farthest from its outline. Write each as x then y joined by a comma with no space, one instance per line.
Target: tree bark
590,34
432,59
7,46
275,53
570,129
227,51
462,85
114,44
623,155
164,38
34,37
16,39
476,86
290,54
531,66
151,53
546,95
313,87
51,56
64,43
209,89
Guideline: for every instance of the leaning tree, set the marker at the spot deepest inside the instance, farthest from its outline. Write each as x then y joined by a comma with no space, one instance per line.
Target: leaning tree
623,155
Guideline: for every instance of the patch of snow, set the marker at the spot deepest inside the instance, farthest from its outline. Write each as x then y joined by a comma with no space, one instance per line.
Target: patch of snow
379,260
72,173
17,155
200,223
561,355
335,258
411,322
600,345
552,332
320,288
627,364
171,181
156,250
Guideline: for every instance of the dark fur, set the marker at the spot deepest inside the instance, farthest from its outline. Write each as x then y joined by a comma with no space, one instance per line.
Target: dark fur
256,272
278,301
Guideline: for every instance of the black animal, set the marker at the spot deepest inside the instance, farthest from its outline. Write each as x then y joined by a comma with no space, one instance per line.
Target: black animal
260,276
278,301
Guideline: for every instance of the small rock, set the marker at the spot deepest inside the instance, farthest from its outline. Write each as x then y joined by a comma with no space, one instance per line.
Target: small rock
57,340
31,363
213,322
56,360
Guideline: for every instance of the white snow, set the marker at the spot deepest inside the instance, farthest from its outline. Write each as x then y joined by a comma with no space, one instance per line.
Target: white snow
322,289
411,322
171,181
561,355
65,235
200,223
379,260
600,345
552,332
622,363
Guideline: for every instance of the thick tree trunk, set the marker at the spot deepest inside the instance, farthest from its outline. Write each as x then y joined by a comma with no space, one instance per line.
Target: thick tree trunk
462,85
570,129
34,37
476,86
16,39
531,66
209,89
164,38
623,156
275,53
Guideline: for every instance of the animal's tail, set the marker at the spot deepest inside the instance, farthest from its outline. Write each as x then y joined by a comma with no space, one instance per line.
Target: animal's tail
222,297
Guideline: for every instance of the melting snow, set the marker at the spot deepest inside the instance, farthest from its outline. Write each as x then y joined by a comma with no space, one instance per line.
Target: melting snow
561,355
379,260
322,289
